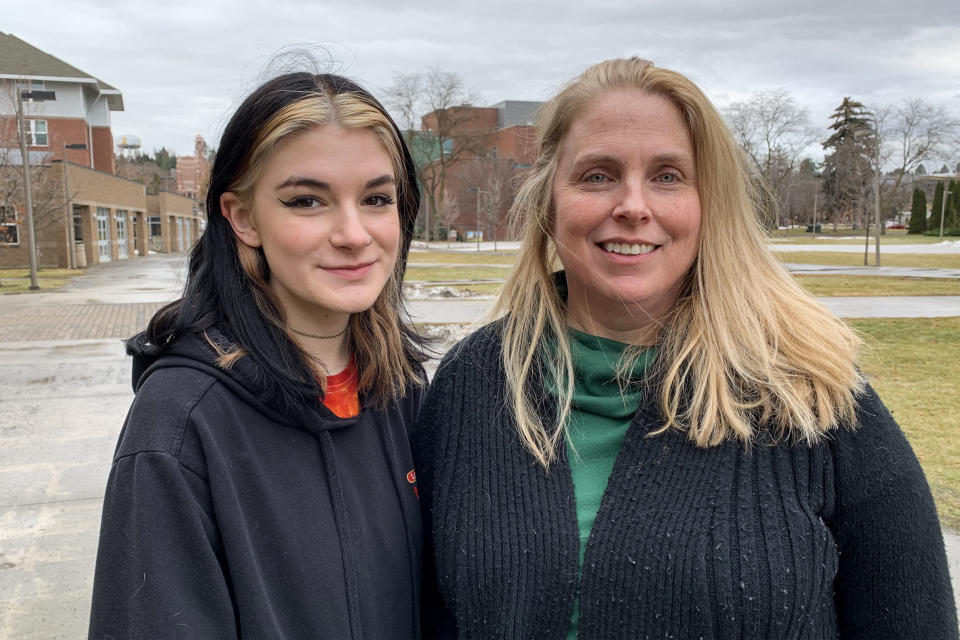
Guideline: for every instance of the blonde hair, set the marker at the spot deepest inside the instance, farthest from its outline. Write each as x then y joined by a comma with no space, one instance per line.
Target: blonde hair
377,337
736,351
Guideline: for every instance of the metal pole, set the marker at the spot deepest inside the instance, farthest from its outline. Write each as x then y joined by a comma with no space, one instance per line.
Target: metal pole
866,243
814,229
27,188
478,219
71,263
943,208
876,200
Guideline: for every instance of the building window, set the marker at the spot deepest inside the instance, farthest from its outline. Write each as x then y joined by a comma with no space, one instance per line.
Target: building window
30,85
36,133
9,232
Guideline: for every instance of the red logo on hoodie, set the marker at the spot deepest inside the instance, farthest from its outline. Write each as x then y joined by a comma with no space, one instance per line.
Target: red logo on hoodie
412,479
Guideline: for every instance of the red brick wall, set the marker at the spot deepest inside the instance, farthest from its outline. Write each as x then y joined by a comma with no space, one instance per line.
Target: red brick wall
59,130
103,150
518,143
70,131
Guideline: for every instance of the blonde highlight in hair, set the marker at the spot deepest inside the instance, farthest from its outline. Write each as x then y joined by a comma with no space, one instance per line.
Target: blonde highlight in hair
377,339
736,352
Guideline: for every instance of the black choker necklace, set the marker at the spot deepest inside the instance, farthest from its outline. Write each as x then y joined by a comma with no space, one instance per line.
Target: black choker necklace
318,337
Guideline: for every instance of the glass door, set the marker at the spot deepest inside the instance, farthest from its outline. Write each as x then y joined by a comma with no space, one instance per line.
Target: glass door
103,234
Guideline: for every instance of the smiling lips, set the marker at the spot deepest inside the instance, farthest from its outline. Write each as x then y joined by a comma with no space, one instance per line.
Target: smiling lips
354,272
627,249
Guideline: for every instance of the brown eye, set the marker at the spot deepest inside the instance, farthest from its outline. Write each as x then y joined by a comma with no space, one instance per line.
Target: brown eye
303,202
379,200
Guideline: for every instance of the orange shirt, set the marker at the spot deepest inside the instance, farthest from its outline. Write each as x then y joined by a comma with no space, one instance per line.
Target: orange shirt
342,396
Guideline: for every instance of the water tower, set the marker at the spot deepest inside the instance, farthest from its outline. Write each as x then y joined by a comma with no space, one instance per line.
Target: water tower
128,144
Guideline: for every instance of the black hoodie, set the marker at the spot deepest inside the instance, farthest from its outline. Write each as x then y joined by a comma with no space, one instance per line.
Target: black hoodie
226,518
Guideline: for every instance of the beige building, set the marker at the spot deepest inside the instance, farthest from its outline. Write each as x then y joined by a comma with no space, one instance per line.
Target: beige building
104,216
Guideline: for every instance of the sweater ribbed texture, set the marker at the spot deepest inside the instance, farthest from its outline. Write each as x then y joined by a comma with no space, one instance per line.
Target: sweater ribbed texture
778,541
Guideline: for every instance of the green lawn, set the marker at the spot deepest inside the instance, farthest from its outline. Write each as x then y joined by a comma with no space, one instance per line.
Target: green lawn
446,274
18,280
912,363
843,285
942,261
463,257
846,236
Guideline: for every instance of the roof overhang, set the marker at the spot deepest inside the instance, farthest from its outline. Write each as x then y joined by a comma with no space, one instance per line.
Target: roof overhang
113,96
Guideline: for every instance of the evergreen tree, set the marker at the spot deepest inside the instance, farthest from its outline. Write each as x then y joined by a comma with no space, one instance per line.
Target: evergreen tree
953,206
847,165
918,212
934,222
921,170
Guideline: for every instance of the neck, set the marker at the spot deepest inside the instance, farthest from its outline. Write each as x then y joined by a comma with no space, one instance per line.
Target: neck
627,332
330,355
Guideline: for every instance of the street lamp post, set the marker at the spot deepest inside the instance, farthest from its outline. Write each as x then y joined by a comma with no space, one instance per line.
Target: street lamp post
943,203
943,209
479,228
876,197
27,189
71,240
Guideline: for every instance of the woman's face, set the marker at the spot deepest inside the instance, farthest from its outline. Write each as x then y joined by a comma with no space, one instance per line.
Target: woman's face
627,212
324,211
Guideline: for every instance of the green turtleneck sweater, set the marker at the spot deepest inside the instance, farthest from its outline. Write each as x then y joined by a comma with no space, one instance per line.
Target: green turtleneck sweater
599,419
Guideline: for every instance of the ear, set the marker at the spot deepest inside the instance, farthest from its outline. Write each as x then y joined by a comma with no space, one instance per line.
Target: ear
240,218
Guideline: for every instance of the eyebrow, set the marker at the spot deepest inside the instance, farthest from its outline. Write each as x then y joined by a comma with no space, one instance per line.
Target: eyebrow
602,158
301,181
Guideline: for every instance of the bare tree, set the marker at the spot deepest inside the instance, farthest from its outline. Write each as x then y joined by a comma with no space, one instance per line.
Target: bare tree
449,130
494,181
774,132
448,212
912,132
47,183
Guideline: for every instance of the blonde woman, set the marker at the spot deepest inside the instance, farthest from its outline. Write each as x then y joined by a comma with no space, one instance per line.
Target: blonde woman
263,485
664,436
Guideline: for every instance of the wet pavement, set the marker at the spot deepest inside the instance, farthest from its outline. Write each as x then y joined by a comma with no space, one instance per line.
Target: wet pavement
66,390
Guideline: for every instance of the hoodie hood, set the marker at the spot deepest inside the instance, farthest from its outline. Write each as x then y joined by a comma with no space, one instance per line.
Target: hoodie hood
195,351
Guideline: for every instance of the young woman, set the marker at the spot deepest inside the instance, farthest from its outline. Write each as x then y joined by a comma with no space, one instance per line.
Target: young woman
668,438
263,485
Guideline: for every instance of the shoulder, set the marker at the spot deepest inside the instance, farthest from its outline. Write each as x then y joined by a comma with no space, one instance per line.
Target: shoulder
478,354
876,435
161,413
874,458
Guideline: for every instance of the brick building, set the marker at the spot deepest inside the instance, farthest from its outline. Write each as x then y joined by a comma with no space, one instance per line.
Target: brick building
107,216
492,147
194,171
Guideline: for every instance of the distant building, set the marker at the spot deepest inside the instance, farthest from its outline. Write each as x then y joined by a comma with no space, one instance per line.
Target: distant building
79,114
194,171
495,146
107,217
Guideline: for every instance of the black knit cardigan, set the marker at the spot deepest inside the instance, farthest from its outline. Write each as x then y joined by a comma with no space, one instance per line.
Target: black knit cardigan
840,539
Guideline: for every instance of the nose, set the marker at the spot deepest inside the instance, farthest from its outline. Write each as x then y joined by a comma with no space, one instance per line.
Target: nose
349,231
633,203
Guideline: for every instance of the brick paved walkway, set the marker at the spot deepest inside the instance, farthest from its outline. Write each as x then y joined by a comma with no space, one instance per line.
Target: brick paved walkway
26,323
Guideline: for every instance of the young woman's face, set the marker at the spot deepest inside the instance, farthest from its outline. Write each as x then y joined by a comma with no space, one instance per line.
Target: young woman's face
324,210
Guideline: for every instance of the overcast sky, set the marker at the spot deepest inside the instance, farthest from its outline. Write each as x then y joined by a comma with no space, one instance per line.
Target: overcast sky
183,66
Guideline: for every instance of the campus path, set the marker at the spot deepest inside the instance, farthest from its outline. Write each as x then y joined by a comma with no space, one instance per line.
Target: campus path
66,390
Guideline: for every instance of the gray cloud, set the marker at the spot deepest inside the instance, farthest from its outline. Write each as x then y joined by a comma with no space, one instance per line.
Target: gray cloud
184,67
